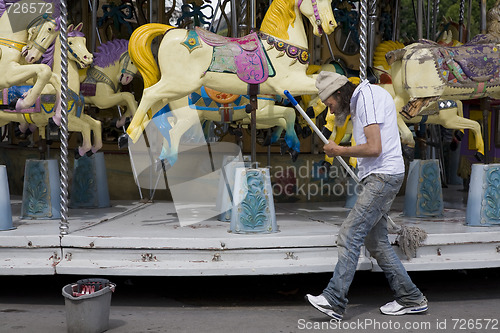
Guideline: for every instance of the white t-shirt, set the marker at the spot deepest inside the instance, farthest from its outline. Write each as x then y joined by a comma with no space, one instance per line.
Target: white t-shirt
371,104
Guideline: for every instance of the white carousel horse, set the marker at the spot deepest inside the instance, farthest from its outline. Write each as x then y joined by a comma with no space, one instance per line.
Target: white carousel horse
112,68
425,71
78,56
189,59
227,108
29,43
447,113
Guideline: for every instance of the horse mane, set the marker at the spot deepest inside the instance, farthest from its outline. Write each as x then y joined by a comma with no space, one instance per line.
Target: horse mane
381,50
48,56
279,16
109,52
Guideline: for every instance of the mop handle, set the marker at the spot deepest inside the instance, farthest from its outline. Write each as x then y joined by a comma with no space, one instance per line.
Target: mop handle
318,132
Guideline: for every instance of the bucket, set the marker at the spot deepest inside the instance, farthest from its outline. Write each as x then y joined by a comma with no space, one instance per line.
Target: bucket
87,304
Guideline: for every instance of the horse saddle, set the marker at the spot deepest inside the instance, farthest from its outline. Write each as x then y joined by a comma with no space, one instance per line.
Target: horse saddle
469,63
243,56
12,94
210,100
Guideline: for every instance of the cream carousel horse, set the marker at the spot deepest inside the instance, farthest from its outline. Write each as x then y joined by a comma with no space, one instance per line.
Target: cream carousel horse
189,59
29,43
425,71
78,56
227,108
447,113
112,68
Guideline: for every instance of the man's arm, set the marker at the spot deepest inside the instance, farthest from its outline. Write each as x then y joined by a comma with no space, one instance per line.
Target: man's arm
372,147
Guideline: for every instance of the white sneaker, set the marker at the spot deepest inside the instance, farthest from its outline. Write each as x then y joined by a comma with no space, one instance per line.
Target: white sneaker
321,304
395,309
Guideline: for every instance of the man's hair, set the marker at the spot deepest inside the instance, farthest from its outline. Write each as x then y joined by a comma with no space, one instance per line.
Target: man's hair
343,95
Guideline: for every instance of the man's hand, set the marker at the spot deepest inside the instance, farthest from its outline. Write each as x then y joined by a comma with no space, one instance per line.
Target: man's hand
372,147
332,149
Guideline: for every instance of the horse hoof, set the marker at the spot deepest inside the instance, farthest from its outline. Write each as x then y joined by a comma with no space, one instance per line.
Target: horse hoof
89,153
459,135
13,104
162,164
123,141
267,141
77,154
408,152
236,132
294,154
306,132
479,157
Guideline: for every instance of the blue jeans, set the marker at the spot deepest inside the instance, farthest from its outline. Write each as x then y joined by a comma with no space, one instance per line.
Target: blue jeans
366,225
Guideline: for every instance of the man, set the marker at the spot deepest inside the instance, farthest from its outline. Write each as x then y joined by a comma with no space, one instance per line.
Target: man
381,169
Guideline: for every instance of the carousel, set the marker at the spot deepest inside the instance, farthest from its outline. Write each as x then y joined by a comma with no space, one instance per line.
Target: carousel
184,138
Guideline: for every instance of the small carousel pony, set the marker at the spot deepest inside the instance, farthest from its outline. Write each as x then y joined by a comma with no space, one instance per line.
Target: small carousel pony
29,43
447,113
189,59
425,71
78,56
112,68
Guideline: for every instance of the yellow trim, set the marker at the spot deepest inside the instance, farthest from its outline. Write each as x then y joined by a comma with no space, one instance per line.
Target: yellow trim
27,117
12,44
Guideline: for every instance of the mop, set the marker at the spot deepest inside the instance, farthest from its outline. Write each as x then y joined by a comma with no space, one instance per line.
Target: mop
409,238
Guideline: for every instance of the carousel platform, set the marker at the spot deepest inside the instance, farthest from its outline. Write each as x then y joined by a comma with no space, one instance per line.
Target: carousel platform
134,238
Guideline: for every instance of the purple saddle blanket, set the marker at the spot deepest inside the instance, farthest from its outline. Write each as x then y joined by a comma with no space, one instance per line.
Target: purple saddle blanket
471,62
244,56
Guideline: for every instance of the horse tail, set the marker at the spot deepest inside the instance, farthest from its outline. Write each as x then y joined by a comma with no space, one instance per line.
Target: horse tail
139,49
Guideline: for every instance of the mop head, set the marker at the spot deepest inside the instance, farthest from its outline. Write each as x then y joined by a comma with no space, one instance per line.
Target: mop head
410,239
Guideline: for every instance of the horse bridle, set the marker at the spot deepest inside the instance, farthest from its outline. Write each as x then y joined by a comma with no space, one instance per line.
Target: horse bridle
38,22
124,69
316,13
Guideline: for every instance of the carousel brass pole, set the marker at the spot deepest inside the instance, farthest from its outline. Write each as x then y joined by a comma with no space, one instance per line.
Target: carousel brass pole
396,25
420,16
64,225
93,9
469,14
234,19
434,18
363,40
253,88
461,21
372,19
483,16
95,30
485,104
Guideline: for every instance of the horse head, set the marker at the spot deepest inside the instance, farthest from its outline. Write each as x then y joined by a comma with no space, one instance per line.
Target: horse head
41,34
128,69
320,14
78,51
